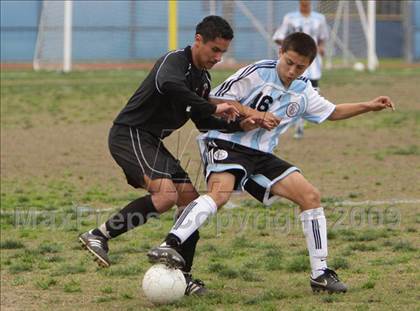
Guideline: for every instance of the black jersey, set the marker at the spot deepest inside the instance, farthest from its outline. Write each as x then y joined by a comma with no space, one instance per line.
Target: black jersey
173,92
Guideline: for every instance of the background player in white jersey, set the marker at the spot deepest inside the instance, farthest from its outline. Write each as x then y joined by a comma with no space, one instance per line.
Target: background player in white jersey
244,160
315,25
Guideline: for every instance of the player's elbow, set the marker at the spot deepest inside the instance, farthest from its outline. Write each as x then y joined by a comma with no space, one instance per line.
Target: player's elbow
336,115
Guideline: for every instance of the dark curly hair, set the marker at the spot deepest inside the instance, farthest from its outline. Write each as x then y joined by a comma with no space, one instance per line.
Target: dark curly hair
212,27
301,43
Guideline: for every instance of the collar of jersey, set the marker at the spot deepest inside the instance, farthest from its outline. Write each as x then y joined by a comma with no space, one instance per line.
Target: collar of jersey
188,53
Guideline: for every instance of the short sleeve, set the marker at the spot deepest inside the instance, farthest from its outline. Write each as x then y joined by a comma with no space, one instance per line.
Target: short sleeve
318,108
282,31
237,86
323,29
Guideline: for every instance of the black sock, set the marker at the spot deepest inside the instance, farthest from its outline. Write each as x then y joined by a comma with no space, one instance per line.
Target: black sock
187,250
96,231
172,240
134,214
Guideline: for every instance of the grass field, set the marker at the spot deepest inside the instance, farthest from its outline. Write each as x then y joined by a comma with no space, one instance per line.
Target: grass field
58,180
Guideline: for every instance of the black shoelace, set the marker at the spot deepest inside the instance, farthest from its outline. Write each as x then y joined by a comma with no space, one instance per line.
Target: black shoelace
332,274
190,280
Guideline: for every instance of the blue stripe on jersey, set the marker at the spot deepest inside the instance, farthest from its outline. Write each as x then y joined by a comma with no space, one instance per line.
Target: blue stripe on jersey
255,141
298,86
250,69
227,84
238,79
274,139
236,137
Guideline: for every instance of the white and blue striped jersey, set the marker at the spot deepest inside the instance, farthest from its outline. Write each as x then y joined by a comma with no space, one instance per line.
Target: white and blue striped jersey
314,25
258,86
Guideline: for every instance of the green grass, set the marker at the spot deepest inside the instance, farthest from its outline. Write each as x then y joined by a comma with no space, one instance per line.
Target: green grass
20,266
11,244
58,180
72,287
46,283
369,285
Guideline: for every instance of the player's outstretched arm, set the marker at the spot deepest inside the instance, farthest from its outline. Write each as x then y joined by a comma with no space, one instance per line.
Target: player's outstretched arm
346,111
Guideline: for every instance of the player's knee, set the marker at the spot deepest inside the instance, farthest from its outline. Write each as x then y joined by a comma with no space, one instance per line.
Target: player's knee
170,198
312,198
184,198
220,198
165,200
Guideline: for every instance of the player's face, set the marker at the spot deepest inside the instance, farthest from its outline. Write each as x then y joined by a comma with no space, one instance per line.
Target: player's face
291,66
209,53
305,6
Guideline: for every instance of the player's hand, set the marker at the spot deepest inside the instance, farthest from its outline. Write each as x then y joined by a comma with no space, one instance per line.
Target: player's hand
249,124
257,120
266,120
380,103
227,111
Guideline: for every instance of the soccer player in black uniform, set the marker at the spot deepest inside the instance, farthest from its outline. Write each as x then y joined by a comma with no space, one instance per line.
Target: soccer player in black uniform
175,91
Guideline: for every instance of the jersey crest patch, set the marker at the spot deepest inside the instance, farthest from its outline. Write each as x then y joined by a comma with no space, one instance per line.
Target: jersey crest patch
292,109
205,89
220,155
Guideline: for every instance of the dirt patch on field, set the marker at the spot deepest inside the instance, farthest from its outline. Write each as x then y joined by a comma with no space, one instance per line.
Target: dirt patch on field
341,162
49,152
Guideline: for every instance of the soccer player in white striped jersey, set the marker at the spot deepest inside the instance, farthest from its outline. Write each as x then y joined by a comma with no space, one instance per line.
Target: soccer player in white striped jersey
314,24
244,160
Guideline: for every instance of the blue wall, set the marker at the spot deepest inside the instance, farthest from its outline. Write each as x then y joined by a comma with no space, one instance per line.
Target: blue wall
416,24
19,20
389,39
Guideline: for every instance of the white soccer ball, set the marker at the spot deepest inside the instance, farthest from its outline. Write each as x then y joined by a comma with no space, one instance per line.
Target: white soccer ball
163,285
359,66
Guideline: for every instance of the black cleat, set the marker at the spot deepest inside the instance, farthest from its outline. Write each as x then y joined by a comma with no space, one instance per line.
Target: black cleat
194,286
328,282
97,246
167,255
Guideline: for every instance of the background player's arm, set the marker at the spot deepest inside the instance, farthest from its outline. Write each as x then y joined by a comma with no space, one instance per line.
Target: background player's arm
323,36
345,111
321,47
278,42
281,32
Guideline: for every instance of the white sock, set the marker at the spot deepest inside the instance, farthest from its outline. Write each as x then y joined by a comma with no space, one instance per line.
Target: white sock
193,216
315,230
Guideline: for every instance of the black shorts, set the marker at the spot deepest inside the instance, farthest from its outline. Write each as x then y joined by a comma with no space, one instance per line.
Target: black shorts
255,171
139,153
